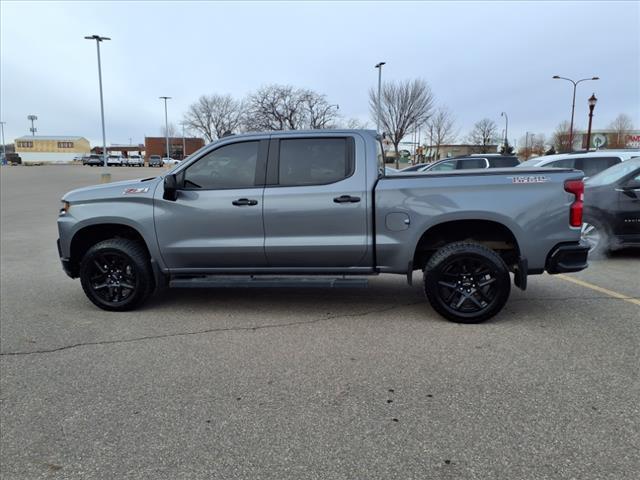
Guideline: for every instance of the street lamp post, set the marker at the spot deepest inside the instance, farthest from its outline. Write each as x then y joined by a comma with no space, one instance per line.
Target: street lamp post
184,143
105,177
166,123
573,103
506,129
379,67
4,146
592,104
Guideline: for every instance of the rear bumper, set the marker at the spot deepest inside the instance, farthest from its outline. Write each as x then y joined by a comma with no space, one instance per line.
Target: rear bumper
567,257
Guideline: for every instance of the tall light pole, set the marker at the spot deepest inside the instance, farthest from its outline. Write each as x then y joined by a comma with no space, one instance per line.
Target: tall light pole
33,129
166,123
98,39
379,67
184,143
592,104
573,103
506,129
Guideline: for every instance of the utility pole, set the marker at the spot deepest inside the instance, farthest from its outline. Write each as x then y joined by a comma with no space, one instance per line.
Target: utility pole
106,176
33,129
379,67
166,124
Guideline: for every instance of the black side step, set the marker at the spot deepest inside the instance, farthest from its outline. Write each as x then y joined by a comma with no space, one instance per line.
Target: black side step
235,281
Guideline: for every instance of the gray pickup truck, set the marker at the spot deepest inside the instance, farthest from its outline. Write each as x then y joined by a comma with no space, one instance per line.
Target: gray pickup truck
314,208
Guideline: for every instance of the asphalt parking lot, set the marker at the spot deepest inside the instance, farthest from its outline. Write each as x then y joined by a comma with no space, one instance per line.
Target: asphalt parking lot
278,384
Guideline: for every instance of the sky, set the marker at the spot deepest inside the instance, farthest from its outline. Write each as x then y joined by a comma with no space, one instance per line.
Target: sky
480,59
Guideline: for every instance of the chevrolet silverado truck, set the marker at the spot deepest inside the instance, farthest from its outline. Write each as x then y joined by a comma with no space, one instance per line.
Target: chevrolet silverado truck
315,208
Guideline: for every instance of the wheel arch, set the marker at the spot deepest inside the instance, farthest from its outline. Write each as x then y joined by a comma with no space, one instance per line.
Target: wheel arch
491,233
89,235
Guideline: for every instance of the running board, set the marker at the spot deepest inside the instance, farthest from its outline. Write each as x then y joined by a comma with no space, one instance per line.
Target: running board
233,281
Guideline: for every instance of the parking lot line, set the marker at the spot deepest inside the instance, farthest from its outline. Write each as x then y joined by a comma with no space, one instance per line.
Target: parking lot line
611,293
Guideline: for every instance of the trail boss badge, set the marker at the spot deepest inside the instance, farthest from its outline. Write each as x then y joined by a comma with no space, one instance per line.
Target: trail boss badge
529,179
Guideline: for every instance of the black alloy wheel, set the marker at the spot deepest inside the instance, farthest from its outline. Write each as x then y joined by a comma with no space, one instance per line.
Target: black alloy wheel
116,274
467,282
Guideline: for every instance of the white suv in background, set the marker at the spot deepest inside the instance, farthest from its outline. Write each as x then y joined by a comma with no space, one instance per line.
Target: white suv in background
114,161
589,162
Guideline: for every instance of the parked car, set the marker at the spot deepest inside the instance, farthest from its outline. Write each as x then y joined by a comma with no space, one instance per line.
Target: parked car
135,161
590,163
299,208
94,160
155,161
114,161
170,161
415,168
390,171
13,158
466,163
612,208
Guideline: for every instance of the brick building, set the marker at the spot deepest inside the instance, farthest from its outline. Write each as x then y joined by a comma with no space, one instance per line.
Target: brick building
180,147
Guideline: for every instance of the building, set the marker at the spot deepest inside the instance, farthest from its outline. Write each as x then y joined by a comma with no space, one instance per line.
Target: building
122,150
434,153
180,147
51,149
607,139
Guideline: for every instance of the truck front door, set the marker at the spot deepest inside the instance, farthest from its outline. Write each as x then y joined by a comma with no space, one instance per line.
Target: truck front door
216,220
315,203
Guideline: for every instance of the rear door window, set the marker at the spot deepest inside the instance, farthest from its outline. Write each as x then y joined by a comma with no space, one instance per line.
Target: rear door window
469,163
503,162
444,166
592,165
313,161
565,163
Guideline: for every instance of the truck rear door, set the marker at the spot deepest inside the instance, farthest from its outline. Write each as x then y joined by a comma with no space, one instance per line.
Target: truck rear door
315,203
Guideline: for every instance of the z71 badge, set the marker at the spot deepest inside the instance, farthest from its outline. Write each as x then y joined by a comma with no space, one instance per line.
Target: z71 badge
130,191
529,179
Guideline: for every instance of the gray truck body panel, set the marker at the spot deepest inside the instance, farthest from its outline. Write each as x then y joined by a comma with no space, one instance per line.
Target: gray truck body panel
300,229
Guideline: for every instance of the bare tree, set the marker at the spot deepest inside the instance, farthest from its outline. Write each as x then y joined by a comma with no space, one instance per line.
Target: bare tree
171,129
562,137
483,134
621,126
355,124
403,106
441,129
283,107
214,115
532,145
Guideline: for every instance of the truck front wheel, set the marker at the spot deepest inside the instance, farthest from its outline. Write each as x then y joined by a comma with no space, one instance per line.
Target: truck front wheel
466,282
116,274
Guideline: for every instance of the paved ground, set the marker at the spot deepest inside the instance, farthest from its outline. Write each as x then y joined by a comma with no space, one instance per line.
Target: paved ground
306,384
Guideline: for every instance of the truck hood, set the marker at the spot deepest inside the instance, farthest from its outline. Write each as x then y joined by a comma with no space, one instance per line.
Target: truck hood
145,188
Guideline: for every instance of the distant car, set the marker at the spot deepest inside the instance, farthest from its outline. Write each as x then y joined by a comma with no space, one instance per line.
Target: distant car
94,160
466,163
591,163
155,161
13,159
135,161
114,161
611,217
170,161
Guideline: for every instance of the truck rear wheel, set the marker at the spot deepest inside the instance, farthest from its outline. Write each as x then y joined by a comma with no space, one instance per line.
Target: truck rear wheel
466,282
116,274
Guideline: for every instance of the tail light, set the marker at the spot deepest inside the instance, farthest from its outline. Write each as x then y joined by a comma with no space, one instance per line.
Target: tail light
576,187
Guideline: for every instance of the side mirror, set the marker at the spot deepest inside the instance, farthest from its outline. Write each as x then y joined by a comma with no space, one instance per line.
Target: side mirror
170,188
632,184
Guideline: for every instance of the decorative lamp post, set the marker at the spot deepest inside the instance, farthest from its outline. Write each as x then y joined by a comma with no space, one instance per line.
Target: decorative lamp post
592,104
